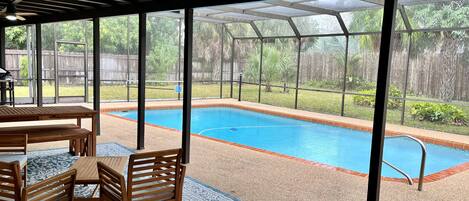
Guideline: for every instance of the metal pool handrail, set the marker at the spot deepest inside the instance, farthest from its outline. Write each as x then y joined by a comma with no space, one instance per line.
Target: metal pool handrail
422,163
409,179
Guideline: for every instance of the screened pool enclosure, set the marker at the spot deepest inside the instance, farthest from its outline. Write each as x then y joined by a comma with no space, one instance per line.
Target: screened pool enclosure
327,56
319,56
291,54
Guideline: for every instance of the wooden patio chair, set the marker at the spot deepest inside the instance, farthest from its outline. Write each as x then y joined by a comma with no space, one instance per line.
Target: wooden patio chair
111,184
13,147
10,181
156,175
152,176
58,188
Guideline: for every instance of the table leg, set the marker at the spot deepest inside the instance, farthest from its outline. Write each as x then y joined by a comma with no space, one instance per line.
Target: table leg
75,144
71,144
3,93
92,140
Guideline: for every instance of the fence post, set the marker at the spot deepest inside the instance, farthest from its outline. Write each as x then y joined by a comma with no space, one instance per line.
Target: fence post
240,84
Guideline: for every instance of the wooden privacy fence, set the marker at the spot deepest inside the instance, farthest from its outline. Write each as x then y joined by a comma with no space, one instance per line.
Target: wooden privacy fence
424,78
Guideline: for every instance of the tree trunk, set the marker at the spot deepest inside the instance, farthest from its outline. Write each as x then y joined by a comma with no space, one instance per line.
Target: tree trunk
268,88
285,89
448,65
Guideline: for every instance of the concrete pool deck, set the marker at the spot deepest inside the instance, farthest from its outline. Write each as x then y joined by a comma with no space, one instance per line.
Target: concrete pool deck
253,175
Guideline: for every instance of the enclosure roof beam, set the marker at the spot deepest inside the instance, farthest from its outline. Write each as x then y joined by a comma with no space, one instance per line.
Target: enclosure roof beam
440,29
26,10
40,8
178,15
102,3
342,24
250,12
228,31
222,19
87,4
104,8
209,19
130,1
377,2
65,3
256,29
302,36
405,17
225,19
302,7
46,5
294,28
172,14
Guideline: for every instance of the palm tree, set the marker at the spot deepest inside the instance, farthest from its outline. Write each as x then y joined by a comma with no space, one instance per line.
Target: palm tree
277,64
447,43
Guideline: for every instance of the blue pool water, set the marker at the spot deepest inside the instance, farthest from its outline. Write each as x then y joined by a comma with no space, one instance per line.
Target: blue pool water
335,146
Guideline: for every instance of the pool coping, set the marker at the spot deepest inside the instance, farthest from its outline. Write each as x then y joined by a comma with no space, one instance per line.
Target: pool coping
429,178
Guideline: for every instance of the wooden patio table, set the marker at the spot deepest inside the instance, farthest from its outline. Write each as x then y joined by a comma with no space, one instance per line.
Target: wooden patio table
16,114
87,169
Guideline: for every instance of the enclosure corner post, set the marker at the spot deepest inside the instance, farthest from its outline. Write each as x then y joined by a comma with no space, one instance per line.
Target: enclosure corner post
261,38
96,73
222,60
240,85
179,57
344,80
39,65
127,83
406,82
298,72
142,31
379,119
187,96
2,48
56,66
232,67
261,63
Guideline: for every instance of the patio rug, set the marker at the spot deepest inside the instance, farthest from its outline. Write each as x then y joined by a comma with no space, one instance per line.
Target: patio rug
45,163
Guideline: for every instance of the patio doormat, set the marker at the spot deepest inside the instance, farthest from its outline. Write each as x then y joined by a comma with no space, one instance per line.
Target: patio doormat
46,163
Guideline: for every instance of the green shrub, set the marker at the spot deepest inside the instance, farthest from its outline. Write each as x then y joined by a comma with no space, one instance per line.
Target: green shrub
353,83
357,83
23,70
368,100
435,112
324,84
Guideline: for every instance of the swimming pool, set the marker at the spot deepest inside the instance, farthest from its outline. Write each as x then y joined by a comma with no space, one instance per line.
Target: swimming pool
331,145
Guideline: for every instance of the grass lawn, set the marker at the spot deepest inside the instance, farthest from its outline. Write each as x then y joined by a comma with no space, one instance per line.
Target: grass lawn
329,103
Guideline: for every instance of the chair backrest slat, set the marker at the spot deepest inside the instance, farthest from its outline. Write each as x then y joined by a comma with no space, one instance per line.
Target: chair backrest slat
155,175
59,187
14,143
10,180
112,184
